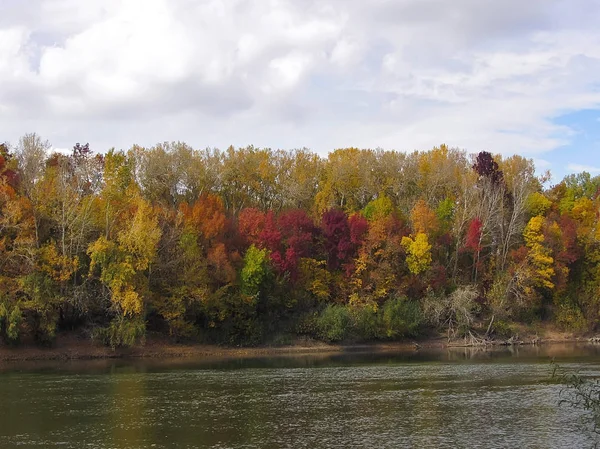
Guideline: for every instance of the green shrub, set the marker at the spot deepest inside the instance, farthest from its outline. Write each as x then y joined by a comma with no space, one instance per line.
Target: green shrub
401,318
3,316
367,323
503,329
10,322
122,331
14,323
333,323
569,317
307,324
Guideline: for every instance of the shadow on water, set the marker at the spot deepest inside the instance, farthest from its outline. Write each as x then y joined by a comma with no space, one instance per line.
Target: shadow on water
561,352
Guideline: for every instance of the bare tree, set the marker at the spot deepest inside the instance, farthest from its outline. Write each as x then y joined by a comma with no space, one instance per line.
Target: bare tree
31,153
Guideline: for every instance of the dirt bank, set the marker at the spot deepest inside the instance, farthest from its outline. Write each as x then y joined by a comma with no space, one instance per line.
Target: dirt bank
68,347
74,347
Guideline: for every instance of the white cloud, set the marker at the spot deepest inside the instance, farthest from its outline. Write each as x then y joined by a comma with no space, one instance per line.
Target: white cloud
324,74
578,168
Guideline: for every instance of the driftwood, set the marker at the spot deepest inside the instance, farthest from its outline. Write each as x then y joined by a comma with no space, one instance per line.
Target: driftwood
512,341
473,340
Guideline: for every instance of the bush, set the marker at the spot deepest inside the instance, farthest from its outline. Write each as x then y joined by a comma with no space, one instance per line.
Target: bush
333,323
503,329
10,322
456,312
14,323
367,322
3,316
401,318
122,331
307,324
569,317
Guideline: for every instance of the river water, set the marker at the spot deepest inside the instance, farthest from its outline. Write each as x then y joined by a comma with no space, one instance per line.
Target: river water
503,398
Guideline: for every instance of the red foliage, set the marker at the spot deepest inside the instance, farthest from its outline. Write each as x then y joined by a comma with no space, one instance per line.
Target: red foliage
342,237
570,250
288,237
270,237
251,223
445,239
298,232
358,229
11,176
472,242
519,255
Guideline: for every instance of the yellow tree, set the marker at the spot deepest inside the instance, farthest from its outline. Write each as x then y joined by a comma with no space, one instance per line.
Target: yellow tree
418,253
348,182
123,262
540,256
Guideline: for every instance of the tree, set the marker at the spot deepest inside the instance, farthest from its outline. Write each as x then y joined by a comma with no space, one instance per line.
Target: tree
418,253
336,234
540,256
424,220
123,263
31,153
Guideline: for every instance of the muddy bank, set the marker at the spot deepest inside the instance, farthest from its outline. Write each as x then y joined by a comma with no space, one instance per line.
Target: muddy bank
72,347
69,348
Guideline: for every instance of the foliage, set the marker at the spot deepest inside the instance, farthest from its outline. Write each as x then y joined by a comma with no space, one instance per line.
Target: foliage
10,322
487,167
239,245
333,323
418,253
401,318
255,270
122,332
539,255
380,207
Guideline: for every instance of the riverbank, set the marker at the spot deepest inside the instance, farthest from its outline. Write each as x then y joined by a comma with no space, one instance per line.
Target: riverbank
74,347
68,347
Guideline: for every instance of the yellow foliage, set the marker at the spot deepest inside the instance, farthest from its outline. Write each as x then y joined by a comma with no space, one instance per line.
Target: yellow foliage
58,267
315,277
141,238
130,301
122,262
418,253
540,256
538,204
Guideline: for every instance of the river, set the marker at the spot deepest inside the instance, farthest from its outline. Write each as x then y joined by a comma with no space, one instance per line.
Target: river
469,398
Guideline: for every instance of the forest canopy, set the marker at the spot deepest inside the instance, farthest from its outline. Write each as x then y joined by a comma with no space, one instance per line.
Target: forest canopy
249,245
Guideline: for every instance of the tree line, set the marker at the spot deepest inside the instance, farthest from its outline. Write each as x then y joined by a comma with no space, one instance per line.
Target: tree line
249,245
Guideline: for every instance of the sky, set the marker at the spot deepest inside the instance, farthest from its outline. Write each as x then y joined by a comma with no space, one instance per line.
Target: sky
510,77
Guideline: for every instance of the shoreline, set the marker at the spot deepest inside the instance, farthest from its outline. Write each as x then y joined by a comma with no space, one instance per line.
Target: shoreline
71,348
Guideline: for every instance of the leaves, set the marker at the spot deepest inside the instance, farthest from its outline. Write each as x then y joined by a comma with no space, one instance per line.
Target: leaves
539,255
255,270
241,244
418,253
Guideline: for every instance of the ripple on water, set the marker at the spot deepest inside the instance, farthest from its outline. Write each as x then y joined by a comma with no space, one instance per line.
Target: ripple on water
416,404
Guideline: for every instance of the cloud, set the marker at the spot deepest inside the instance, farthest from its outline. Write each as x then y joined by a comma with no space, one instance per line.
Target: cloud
325,74
582,167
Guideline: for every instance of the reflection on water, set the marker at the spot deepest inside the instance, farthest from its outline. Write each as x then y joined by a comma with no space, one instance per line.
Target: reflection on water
453,398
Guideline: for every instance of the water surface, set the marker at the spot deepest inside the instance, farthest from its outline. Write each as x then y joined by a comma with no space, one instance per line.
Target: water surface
457,398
